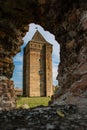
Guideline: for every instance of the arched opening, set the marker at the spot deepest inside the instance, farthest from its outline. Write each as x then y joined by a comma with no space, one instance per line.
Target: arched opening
68,21
18,59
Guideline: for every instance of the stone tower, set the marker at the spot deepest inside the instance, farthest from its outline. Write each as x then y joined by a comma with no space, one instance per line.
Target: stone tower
37,67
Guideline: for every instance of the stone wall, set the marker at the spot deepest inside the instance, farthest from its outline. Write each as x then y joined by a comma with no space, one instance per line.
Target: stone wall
66,20
73,55
7,94
37,67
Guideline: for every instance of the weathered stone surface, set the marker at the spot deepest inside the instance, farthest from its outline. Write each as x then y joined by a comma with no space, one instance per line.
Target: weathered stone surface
65,117
66,20
7,95
73,66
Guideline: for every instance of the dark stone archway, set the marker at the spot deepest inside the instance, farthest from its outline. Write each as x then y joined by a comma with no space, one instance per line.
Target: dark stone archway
67,21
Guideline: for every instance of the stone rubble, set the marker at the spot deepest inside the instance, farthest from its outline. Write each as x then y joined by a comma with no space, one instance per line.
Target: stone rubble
44,118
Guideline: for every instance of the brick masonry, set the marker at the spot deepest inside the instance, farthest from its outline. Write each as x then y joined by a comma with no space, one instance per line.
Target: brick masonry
37,67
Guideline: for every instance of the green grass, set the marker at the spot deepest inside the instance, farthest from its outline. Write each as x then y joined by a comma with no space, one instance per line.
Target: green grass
32,102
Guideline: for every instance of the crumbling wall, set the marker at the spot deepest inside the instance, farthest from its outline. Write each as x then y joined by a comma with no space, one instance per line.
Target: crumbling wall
66,20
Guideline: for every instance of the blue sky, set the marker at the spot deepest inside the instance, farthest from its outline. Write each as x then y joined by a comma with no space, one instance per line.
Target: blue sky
18,59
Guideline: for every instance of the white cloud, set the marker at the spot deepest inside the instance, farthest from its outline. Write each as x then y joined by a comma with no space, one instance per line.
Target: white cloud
18,84
56,50
55,73
18,58
29,34
17,77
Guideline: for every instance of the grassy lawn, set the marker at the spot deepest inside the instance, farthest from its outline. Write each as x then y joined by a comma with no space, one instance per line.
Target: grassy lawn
33,102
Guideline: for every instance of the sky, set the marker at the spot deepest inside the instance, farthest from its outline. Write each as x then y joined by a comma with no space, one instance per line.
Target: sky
18,59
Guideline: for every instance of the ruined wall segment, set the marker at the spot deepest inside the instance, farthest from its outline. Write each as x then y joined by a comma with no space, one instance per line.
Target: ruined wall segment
66,20
72,72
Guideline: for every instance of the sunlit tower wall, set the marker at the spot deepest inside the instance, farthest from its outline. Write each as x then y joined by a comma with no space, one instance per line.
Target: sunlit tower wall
37,67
